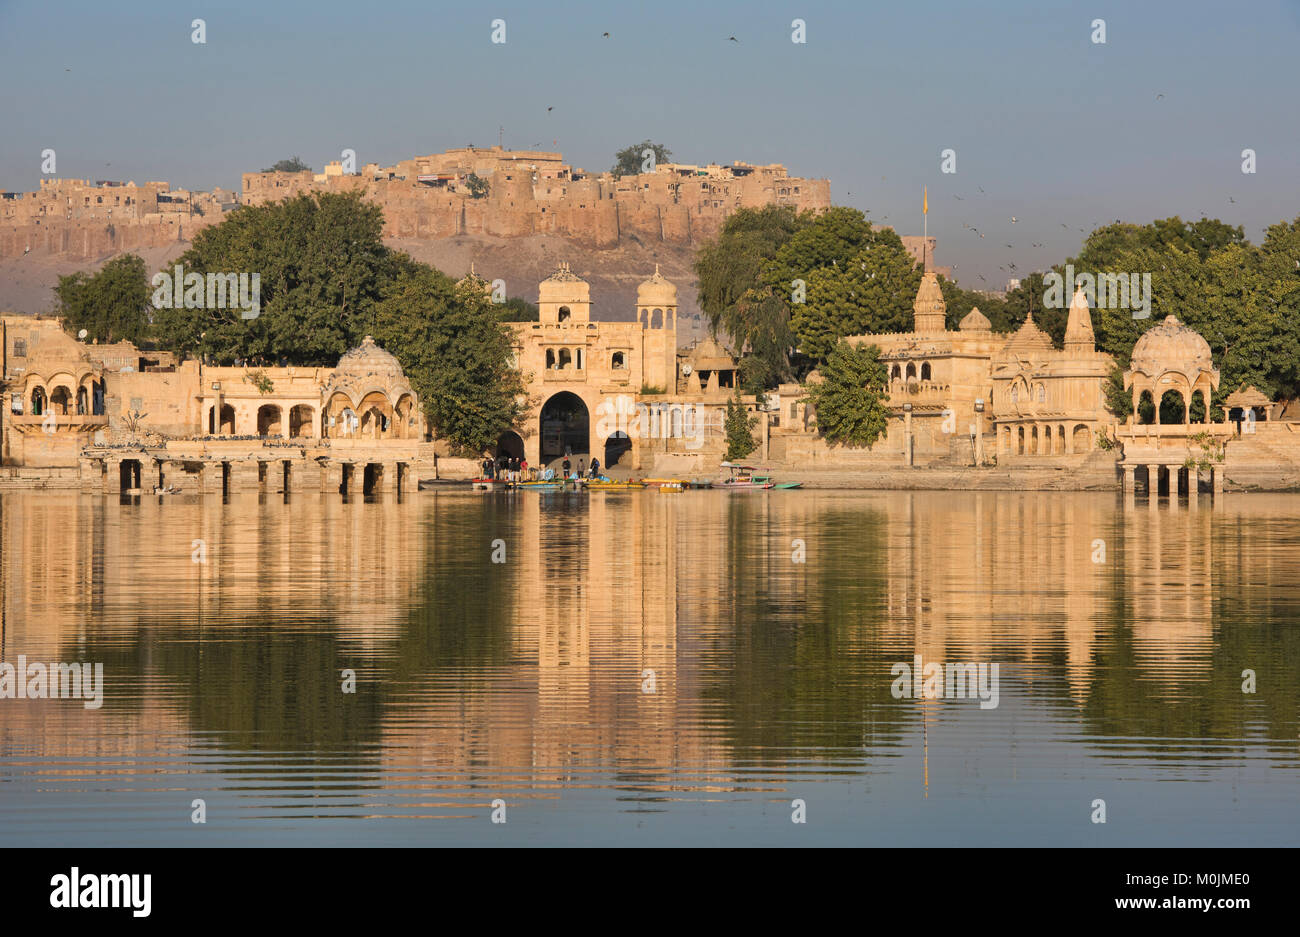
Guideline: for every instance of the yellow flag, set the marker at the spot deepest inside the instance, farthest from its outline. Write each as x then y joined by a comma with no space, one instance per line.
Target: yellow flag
925,201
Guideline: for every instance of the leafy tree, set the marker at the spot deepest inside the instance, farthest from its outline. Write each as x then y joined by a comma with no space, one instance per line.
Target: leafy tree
323,268
768,337
872,290
516,309
739,429
293,164
628,161
478,186
1118,400
850,398
111,304
826,240
738,301
456,355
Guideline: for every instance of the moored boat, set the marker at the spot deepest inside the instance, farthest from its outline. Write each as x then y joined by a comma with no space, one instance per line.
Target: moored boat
749,478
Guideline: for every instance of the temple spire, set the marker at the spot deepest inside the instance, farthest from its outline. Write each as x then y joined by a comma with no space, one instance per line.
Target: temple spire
929,311
1079,337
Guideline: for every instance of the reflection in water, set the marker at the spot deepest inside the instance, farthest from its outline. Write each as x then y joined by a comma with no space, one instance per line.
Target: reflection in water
651,668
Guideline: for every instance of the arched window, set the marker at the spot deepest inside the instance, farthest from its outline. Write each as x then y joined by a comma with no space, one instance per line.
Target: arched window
925,371
550,357
618,363
565,359
896,374
911,371
565,313
1042,393
1015,394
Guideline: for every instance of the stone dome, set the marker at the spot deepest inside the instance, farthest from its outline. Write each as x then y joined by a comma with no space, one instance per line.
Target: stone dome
1028,339
1171,346
656,291
975,321
369,358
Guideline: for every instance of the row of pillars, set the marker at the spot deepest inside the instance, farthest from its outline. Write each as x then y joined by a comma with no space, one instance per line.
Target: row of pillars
266,475
1182,480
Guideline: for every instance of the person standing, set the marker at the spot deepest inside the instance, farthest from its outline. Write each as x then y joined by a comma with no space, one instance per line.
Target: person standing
566,464
523,469
595,467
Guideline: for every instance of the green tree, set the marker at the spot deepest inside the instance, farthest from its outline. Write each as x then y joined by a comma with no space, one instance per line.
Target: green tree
870,291
293,164
323,268
112,304
456,354
516,309
478,186
740,430
628,161
850,398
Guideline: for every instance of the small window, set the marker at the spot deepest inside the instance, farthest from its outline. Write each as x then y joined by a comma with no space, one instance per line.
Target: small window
16,404
136,403
618,363
20,348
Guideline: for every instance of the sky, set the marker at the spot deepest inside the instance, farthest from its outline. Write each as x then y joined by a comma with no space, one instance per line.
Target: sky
1048,127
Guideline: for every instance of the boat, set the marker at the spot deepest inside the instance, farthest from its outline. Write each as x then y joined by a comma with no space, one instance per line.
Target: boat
489,484
743,478
677,483
607,484
540,486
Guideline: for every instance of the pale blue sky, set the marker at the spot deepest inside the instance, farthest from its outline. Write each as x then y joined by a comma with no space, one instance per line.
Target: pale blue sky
1054,128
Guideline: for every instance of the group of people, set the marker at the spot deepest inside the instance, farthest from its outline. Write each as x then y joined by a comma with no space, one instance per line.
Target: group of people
512,469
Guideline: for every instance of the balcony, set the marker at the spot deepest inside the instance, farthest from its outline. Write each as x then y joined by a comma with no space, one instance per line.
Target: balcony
564,375
65,422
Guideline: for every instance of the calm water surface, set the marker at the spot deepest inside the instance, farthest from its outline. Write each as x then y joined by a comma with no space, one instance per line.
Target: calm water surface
1121,634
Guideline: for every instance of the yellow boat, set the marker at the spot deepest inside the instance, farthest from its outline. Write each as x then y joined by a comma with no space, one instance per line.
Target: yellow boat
607,485
675,483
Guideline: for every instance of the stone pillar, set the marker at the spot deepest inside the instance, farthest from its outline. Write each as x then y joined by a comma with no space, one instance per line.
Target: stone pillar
1153,484
1193,484
331,476
91,473
155,471
1217,471
275,476
1129,483
907,438
244,476
210,477
112,474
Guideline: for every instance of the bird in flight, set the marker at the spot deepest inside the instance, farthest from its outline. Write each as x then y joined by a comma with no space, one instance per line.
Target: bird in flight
959,198
605,36
981,188
732,39
1232,200
1013,219
1160,97
551,108
1010,246
982,278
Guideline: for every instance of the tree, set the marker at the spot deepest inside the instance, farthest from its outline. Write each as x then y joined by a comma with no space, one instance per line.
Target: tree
112,304
323,267
629,160
293,164
478,186
740,430
455,353
871,291
516,309
850,398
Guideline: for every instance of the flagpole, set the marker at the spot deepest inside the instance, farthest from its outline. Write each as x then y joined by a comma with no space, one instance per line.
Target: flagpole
925,226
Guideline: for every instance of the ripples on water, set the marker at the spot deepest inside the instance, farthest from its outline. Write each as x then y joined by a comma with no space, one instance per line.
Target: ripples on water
523,681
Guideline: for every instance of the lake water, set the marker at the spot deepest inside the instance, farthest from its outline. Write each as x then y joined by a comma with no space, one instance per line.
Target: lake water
652,669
